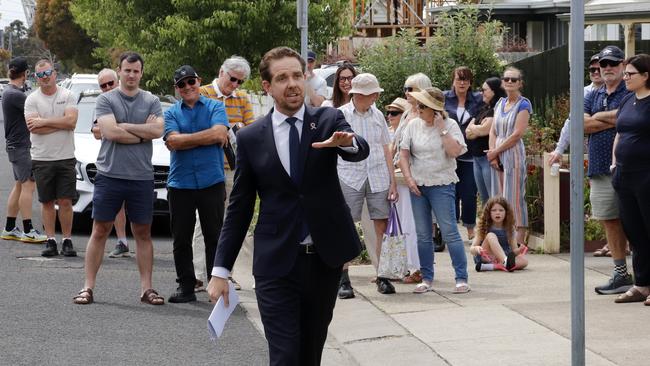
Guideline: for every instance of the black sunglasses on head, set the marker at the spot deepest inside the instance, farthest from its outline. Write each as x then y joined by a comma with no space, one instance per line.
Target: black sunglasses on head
106,84
235,80
605,63
181,84
393,113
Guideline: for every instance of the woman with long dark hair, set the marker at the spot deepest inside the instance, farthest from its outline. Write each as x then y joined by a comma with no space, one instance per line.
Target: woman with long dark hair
342,85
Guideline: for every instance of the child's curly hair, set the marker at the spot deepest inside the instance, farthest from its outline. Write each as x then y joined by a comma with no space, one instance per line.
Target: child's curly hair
485,221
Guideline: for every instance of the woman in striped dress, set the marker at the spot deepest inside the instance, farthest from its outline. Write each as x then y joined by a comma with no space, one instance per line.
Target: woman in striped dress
507,154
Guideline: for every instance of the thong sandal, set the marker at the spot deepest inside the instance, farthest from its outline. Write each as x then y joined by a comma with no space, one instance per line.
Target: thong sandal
84,297
461,288
631,295
422,288
151,297
602,252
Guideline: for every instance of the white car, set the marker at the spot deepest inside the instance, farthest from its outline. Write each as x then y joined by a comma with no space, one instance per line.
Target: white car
79,83
87,148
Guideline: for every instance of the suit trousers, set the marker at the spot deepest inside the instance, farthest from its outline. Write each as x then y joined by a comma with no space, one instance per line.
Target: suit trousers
296,310
183,203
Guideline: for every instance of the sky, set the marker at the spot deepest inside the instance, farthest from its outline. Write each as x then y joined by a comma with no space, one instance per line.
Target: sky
11,10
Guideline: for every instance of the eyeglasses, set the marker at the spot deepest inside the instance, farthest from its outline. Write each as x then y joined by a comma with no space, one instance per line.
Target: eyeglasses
462,79
235,80
408,89
629,74
605,63
594,70
107,84
393,113
345,78
510,80
44,73
422,107
181,84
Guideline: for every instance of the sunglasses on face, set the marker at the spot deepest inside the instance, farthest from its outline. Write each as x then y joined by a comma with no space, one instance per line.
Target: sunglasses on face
509,79
44,73
594,70
235,80
107,84
394,113
408,89
181,84
605,63
343,79
422,107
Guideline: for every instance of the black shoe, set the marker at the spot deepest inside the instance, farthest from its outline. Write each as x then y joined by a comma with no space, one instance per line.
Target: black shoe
50,249
346,291
179,296
384,286
510,262
66,249
478,266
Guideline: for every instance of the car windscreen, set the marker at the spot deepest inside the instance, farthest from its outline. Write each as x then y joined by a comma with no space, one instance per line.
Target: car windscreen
86,116
81,87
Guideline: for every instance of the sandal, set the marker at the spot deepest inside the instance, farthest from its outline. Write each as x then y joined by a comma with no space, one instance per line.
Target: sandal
84,297
151,297
602,252
631,295
461,288
415,277
647,301
422,287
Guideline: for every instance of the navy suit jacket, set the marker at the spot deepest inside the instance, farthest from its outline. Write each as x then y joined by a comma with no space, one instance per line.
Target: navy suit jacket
318,199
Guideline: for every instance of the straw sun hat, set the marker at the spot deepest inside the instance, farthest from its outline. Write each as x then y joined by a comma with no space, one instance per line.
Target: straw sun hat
431,97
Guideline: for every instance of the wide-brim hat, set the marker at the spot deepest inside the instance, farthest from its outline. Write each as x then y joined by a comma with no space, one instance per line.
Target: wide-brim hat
365,84
427,99
399,103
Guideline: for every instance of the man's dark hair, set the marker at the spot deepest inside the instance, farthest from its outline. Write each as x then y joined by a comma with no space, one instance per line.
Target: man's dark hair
13,74
131,57
641,63
276,54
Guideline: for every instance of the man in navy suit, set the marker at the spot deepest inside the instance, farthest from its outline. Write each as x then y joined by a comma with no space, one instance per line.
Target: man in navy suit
304,232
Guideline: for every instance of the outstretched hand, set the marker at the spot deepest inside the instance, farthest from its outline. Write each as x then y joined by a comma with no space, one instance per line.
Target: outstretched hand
338,138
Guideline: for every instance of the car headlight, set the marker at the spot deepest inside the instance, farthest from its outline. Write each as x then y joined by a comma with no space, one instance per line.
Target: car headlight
78,171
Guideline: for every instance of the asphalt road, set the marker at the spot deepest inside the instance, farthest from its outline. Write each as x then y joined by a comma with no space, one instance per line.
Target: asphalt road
39,324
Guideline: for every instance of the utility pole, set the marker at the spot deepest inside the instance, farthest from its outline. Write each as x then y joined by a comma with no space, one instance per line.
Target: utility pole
302,7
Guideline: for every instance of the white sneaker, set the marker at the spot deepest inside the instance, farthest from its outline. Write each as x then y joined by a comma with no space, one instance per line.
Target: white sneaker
34,236
15,234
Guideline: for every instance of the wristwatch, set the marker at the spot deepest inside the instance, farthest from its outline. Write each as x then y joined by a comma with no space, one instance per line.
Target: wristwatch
444,132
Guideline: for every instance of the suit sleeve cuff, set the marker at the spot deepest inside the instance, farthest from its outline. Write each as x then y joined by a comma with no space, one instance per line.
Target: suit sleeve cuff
351,149
221,272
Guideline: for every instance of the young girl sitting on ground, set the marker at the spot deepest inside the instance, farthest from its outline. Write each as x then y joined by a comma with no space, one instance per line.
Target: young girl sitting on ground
495,245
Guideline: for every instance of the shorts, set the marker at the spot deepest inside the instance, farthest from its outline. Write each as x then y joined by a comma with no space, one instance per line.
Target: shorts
21,162
604,202
378,205
136,195
55,179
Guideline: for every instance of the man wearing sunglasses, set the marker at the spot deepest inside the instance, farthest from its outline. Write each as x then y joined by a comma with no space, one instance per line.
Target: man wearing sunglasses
225,88
600,107
196,129
51,115
128,118
18,145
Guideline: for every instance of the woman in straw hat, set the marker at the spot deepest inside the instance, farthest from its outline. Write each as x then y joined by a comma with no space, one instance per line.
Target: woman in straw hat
429,147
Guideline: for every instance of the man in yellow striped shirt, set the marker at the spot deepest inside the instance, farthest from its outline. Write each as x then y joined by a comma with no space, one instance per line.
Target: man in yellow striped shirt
225,88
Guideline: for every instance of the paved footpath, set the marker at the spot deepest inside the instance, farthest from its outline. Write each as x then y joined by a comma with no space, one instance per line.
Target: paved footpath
520,318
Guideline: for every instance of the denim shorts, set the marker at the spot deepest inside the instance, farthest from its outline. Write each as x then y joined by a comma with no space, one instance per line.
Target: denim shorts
55,179
111,193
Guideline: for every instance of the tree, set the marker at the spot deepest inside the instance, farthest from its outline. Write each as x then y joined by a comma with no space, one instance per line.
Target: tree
24,42
56,27
170,33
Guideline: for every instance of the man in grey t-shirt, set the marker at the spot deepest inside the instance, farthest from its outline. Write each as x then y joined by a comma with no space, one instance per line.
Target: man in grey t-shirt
128,118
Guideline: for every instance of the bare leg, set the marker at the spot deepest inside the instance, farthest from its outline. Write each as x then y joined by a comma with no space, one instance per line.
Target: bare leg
521,235
65,216
521,262
95,251
470,233
26,199
120,223
144,253
12,201
380,229
49,218
491,244
615,238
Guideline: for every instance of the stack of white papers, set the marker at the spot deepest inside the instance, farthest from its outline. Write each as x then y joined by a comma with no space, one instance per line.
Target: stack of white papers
220,313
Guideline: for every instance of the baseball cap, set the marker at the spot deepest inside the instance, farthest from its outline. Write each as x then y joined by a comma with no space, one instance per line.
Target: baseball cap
612,53
365,84
183,72
18,64
311,56
593,58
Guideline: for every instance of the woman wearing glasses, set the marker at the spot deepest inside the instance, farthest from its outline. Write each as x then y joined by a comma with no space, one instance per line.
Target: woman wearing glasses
342,85
507,154
463,105
631,173
429,148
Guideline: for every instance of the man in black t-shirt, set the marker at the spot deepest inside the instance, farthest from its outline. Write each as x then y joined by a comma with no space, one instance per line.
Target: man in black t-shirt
18,144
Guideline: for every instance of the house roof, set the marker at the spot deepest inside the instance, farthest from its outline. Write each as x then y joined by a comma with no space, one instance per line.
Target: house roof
508,7
615,10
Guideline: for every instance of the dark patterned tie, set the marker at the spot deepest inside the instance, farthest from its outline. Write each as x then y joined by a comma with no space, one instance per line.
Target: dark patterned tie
295,170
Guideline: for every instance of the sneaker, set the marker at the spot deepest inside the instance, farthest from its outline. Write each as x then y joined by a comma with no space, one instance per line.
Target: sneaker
616,285
50,248
67,250
180,297
236,285
384,286
346,291
478,266
15,234
120,251
34,236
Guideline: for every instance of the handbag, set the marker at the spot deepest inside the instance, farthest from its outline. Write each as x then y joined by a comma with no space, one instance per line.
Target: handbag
392,259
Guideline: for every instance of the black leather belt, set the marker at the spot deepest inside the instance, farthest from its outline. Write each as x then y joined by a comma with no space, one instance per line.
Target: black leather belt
306,249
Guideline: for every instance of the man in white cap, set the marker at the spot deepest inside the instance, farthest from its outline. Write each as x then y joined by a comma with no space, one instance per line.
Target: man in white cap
372,179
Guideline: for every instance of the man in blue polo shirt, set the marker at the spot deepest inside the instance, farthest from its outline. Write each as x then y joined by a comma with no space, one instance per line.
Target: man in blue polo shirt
196,128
